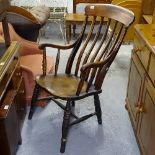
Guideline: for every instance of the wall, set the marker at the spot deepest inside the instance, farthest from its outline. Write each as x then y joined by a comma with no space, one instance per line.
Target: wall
50,3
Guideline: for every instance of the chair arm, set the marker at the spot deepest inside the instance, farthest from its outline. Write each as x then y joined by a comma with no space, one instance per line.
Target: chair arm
63,47
84,74
88,66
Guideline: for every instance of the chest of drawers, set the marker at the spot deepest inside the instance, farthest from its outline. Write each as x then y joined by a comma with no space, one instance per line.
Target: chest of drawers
140,100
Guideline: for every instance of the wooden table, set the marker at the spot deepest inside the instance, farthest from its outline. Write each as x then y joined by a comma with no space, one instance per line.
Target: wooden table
75,2
72,19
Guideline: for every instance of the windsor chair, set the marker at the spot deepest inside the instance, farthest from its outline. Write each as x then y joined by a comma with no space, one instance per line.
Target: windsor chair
94,54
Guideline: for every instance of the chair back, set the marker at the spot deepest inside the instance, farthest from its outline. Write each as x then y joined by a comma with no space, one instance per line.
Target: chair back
95,53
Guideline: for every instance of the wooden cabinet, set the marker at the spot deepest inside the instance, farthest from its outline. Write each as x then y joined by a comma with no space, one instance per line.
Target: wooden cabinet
140,100
146,129
12,100
135,85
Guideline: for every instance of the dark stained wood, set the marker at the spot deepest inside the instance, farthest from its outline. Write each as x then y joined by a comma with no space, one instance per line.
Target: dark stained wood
6,32
94,54
9,127
12,101
65,126
11,91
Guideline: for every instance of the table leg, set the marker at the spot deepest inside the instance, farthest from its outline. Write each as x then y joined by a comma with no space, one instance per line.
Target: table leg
68,31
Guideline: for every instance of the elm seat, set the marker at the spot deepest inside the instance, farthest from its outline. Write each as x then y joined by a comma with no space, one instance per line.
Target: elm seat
87,65
61,85
27,23
30,62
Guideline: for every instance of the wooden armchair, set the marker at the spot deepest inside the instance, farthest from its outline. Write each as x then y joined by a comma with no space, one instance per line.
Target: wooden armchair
30,62
94,56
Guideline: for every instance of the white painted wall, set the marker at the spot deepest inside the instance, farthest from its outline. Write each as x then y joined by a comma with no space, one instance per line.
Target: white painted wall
50,3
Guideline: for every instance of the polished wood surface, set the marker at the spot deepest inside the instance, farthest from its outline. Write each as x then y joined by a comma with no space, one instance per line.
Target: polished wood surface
148,11
140,100
147,19
75,2
12,100
87,65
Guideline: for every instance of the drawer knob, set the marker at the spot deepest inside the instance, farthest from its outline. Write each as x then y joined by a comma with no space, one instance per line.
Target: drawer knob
139,109
137,50
18,74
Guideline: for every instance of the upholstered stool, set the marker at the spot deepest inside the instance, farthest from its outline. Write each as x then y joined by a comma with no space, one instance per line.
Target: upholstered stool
28,22
41,13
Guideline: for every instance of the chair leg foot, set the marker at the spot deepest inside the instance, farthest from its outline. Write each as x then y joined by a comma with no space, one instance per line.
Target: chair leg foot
98,108
33,101
63,145
73,103
30,114
65,126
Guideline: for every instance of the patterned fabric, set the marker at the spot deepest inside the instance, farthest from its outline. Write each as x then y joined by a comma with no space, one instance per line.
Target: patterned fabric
41,13
49,3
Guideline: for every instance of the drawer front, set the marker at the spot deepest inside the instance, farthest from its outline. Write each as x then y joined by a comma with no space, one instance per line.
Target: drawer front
151,71
141,50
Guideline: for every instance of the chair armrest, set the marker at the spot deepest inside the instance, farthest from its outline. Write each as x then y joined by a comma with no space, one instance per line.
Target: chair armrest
63,47
88,66
85,72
